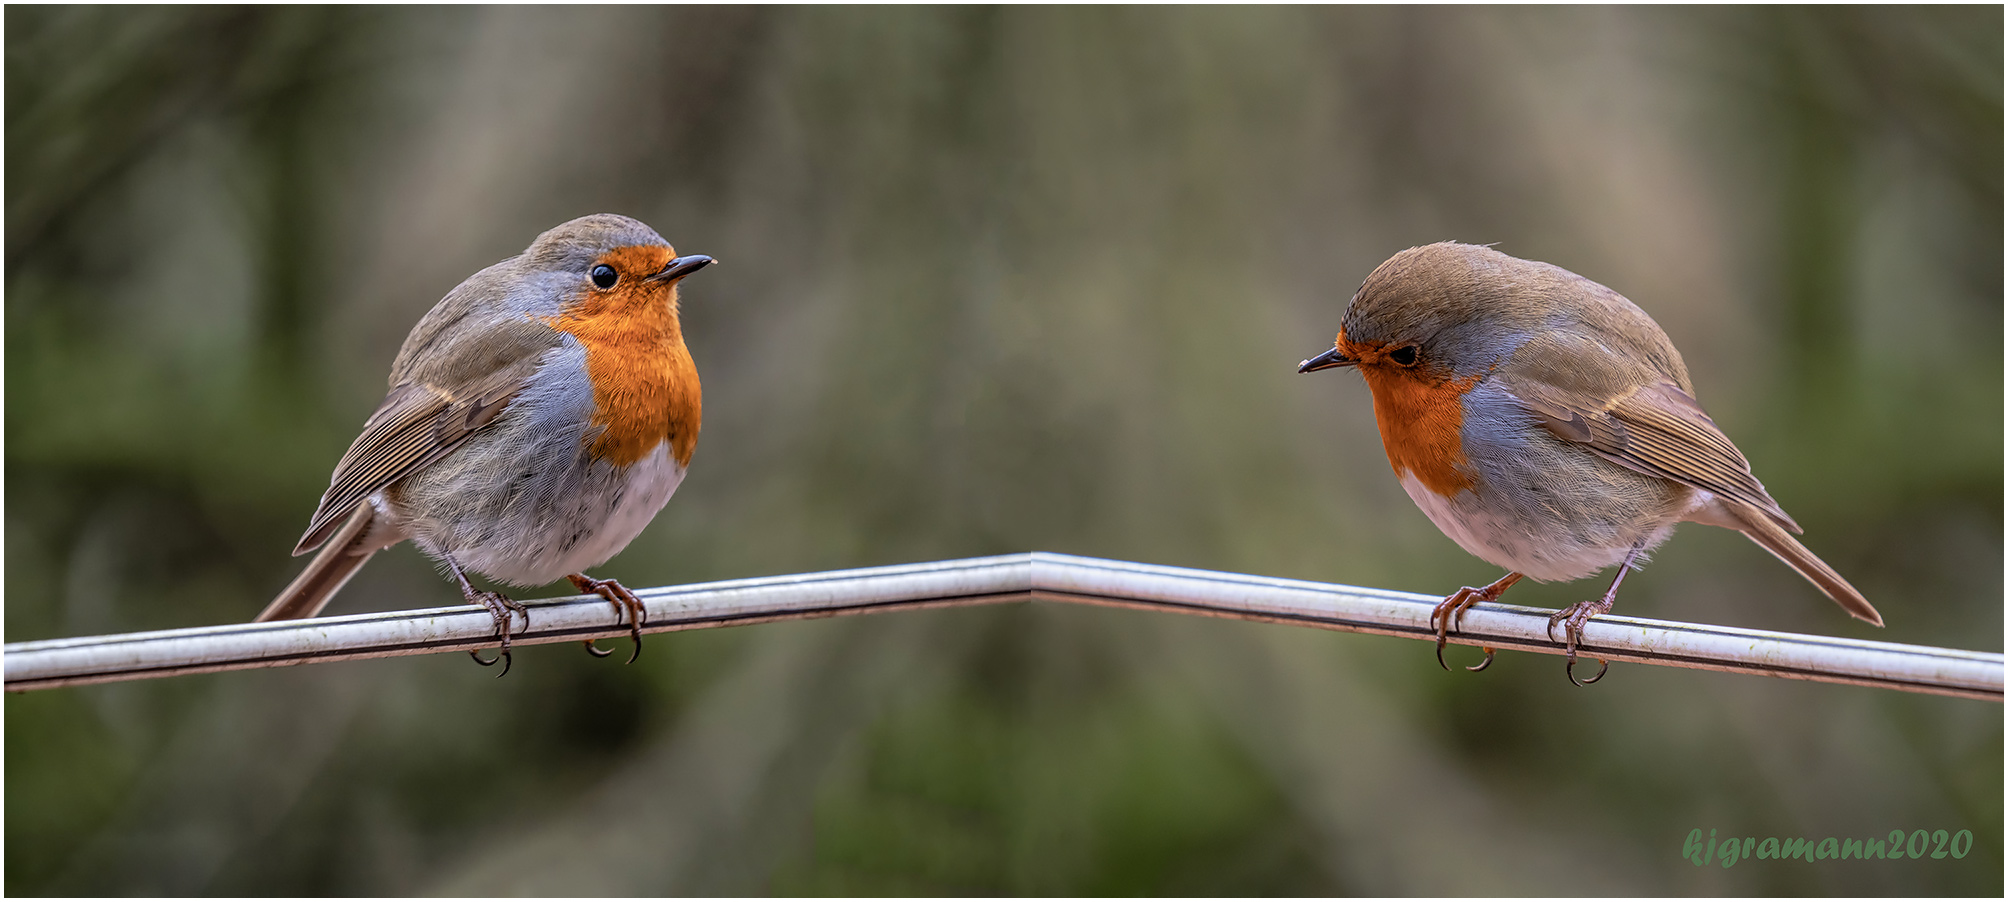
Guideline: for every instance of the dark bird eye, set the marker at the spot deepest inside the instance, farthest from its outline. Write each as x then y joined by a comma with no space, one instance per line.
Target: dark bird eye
1403,356
604,276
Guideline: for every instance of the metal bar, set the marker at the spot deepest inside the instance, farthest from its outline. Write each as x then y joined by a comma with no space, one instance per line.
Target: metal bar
1013,577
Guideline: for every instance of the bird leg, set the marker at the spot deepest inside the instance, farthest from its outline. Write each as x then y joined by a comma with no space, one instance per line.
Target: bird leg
1446,615
1574,616
624,601
500,606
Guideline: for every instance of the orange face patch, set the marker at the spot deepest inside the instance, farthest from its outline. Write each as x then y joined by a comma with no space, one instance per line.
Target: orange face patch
645,385
637,261
1421,418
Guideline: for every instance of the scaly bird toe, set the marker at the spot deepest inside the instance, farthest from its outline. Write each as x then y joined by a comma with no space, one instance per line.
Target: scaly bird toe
624,601
503,609
1573,619
1451,611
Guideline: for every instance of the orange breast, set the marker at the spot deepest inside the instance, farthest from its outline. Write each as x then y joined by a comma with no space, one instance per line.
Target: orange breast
1421,422
644,382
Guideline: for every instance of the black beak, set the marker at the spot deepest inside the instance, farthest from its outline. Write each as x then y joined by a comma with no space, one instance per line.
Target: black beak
1325,361
680,267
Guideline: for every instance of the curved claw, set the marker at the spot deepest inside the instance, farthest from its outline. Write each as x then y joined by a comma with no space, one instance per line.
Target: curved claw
1445,616
1489,652
625,603
1441,618
503,657
592,648
1600,672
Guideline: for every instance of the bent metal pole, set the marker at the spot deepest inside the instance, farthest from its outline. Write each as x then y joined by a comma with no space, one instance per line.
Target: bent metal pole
989,580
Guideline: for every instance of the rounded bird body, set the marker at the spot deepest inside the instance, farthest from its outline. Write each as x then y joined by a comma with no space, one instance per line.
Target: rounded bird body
1546,424
538,418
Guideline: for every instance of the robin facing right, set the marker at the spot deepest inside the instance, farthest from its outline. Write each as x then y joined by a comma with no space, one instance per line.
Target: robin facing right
538,417
1547,425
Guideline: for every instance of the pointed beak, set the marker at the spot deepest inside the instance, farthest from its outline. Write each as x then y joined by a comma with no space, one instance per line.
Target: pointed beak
680,267
1325,361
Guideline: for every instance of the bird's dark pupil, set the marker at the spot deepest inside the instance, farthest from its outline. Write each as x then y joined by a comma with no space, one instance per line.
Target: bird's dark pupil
604,276
1404,356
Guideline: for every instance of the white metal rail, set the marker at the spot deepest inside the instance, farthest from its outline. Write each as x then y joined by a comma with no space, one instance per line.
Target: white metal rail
1012,577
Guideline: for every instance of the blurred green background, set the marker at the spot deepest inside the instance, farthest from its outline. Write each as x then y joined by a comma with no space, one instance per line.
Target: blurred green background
994,280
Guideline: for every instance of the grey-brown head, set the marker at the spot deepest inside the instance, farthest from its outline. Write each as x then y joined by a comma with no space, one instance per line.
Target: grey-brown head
1459,310
618,243
1455,308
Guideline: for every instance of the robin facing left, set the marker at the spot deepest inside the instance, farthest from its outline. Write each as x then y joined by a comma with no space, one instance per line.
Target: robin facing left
1547,425
537,419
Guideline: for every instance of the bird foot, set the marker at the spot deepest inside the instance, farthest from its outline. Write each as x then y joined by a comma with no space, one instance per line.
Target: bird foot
1446,615
503,609
624,601
1572,618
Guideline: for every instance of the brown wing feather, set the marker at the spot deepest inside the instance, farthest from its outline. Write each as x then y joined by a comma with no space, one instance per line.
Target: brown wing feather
1634,413
415,425
1659,430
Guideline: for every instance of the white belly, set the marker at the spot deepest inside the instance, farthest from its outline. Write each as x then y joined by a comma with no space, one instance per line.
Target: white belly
602,513
650,482
1548,555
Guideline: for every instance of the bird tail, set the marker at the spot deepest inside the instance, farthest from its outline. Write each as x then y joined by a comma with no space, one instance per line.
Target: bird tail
341,556
1766,532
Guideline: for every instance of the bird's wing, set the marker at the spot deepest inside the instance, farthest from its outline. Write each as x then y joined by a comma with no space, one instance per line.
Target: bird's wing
420,422
1641,420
